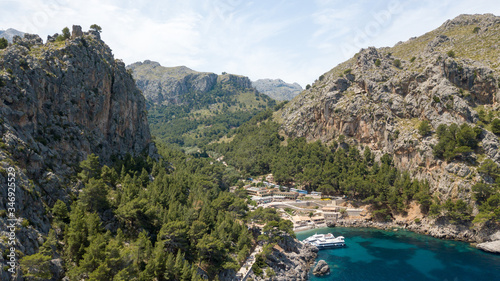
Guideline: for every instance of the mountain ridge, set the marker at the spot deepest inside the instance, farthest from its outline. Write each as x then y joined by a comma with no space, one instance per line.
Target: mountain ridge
277,88
381,97
62,101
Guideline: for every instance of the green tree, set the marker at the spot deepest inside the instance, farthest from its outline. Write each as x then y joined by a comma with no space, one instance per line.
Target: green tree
60,211
96,27
65,33
36,266
495,126
490,168
397,63
482,191
424,128
76,235
90,168
3,43
93,196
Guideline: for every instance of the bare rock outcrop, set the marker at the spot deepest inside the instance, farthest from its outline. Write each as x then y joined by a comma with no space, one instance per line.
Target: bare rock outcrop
59,102
290,260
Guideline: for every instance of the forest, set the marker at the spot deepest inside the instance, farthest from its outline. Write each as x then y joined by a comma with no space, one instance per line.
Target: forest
142,219
258,148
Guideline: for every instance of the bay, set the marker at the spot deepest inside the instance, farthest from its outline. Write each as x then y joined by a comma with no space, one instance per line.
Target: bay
373,254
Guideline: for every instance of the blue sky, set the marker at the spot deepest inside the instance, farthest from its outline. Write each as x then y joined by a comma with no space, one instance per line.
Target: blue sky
296,41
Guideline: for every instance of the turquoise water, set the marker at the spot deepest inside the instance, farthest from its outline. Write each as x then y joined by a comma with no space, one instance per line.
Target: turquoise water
373,254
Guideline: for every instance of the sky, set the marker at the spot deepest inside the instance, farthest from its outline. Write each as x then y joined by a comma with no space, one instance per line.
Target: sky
294,40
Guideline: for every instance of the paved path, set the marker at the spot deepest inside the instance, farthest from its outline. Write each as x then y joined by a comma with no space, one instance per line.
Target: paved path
243,272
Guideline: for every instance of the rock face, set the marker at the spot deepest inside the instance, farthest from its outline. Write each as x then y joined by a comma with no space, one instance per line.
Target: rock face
277,88
379,97
492,247
60,102
167,85
321,268
290,261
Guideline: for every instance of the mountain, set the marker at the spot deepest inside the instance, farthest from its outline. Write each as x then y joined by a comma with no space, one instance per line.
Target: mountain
277,88
61,101
190,108
10,33
430,102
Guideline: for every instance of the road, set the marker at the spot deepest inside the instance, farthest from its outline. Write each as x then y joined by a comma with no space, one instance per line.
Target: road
247,265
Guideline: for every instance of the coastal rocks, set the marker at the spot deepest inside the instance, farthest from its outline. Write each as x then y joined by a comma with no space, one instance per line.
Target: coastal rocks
290,260
492,247
321,268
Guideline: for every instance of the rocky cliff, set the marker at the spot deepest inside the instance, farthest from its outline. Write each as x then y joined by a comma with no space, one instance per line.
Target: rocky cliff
168,85
61,101
380,97
290,260
277,88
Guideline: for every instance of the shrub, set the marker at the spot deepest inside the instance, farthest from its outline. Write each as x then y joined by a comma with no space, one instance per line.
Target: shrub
495,126
476,29
417,220
348,71
308,87
436,99
397,63
377,62
65,33
451,53
96,27
424,129
413,59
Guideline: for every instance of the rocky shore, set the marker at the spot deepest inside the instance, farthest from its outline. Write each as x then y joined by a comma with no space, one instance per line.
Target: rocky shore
486,237
291,260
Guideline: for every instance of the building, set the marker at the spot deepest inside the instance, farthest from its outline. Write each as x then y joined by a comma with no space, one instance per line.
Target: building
318,219
331,217
331,209
301,220
262,200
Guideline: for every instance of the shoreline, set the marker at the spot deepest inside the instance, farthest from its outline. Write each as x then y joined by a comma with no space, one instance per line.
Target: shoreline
426,227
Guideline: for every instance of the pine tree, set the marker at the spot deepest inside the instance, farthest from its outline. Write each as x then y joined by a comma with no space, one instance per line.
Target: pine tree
76,235
90,168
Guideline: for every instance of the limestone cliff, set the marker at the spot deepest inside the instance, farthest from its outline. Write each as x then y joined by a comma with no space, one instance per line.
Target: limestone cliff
379,98
290,260
168,85
277,88
61,101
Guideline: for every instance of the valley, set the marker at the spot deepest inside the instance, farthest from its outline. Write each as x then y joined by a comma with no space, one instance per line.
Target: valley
151,172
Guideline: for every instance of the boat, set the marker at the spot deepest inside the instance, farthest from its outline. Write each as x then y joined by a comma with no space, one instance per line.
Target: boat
325,241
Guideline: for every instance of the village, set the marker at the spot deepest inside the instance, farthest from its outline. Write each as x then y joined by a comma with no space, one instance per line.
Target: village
305,210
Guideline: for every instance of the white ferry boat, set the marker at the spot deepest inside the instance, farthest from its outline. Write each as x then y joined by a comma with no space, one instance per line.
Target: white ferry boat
325,241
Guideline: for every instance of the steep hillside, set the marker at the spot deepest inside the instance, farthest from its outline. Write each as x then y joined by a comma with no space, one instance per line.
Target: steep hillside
431,102
60,102
277,88
189,108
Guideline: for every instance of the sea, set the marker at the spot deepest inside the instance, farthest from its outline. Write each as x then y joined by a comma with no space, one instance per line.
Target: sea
373,254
